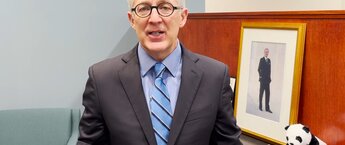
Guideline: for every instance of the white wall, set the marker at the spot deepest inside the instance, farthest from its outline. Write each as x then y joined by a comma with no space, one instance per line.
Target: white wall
46,47
271,5
195,6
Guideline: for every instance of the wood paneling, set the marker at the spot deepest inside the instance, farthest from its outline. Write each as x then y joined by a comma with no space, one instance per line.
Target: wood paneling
322,96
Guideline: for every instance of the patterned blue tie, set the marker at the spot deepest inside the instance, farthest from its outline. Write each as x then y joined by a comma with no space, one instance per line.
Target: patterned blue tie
161,114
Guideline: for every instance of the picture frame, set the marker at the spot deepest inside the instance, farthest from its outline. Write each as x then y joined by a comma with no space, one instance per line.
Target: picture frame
278,76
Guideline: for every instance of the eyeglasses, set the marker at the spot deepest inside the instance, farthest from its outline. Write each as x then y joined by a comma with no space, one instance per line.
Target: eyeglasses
143,10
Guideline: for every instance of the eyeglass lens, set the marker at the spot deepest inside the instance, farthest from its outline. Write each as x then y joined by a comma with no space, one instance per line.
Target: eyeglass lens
163,9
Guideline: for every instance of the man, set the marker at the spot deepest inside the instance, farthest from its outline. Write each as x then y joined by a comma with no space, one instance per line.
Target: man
159,93
265,80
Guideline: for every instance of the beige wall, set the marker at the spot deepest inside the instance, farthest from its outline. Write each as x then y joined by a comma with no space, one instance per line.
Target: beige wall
272,5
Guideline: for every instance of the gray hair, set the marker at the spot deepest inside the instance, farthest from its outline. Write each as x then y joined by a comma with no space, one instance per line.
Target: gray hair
181,3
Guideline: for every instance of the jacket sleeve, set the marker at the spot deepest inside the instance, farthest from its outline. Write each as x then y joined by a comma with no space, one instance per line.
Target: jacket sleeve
92,129
260,68
226,132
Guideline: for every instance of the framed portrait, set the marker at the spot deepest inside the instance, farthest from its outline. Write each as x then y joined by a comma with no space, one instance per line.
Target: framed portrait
268,78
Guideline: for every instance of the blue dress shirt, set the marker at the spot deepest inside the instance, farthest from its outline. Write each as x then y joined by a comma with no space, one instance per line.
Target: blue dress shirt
172,77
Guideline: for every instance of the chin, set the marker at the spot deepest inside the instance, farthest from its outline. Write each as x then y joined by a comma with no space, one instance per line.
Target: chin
157,46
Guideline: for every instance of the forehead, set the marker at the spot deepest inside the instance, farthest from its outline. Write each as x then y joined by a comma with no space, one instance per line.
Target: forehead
135,2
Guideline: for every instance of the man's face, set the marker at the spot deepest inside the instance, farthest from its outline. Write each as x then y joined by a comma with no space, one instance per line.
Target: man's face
158,34
266,52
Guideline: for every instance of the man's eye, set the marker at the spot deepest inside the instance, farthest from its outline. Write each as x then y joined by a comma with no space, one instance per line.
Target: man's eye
165,8
144,9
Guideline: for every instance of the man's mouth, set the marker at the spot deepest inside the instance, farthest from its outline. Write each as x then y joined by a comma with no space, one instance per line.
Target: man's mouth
156,33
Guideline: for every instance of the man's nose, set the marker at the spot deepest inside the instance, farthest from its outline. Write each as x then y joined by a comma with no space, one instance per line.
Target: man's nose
154,16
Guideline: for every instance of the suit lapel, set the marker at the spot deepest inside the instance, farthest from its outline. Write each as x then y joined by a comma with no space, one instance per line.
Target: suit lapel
131,81
190,80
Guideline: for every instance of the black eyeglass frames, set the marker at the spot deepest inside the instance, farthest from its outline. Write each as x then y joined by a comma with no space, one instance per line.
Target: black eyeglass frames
143,10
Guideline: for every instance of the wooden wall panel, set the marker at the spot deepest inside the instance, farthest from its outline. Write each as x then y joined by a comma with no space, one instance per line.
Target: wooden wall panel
322,96
202,35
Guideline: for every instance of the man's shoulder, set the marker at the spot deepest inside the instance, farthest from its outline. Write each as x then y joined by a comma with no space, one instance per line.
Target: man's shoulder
209,60
196,57
262,59
207,63
113,63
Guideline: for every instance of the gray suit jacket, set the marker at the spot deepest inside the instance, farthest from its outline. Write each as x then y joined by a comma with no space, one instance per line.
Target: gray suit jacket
116,112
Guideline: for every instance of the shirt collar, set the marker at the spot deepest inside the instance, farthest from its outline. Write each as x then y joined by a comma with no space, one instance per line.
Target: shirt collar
171,61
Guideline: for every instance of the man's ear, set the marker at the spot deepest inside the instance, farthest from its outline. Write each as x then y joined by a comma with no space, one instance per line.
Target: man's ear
184,15
130,19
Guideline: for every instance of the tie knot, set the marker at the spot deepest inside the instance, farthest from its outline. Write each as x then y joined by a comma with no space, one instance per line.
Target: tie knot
159,67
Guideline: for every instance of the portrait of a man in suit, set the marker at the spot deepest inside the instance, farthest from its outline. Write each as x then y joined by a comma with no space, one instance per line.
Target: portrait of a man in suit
265,79
159,92
264,70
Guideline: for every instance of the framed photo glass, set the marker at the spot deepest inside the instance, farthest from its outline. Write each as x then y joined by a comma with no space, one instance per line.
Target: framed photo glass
268,78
